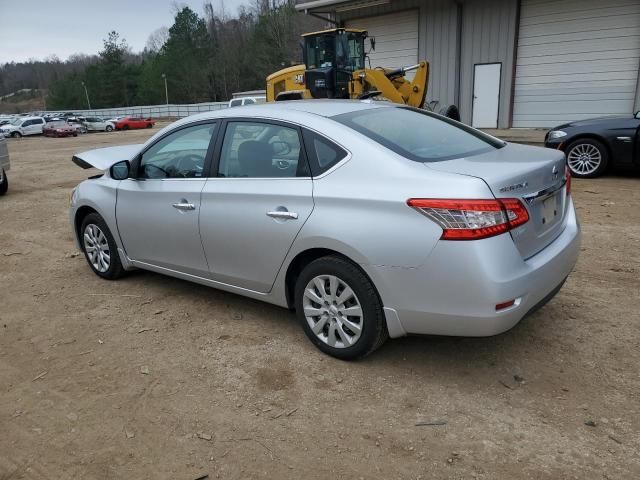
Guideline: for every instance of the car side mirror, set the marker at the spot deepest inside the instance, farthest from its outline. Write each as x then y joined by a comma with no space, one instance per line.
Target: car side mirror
637,114
120,170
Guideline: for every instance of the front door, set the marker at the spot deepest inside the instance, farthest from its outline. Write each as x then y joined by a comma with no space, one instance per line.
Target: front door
254,208
486,95
157,212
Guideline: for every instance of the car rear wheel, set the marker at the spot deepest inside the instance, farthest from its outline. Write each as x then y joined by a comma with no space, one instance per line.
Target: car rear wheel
4,182
16,134
339,308
125,127
100,248
587,158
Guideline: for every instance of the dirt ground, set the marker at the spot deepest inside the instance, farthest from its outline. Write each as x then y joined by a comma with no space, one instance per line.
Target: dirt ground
153,377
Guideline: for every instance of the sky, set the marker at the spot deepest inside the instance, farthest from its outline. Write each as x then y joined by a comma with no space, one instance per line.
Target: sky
38,29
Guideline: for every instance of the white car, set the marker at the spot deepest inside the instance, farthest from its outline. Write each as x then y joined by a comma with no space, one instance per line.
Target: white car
238,102
95,124
22,126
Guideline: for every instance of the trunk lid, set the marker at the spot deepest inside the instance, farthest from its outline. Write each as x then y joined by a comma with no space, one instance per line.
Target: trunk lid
534,175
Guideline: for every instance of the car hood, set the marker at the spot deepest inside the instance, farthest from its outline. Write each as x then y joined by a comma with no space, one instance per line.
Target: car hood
103,158
593,121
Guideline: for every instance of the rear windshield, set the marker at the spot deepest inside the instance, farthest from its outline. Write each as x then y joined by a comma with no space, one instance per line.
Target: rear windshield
418,135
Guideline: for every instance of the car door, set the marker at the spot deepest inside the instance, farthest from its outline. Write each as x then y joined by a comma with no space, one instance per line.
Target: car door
623,134
38,126
26,128
255,202
157,210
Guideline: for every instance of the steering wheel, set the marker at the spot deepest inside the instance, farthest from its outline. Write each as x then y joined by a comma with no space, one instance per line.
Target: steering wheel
165,173
189,164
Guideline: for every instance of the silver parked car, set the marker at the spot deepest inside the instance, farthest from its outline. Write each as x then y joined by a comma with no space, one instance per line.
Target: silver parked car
4,165
369,219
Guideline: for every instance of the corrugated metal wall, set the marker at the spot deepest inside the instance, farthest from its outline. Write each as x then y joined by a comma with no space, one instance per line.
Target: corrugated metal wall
576,60
488,36
437,40
456,35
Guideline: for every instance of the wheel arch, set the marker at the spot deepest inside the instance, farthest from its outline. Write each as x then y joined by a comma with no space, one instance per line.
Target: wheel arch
307,256
80,215
587,136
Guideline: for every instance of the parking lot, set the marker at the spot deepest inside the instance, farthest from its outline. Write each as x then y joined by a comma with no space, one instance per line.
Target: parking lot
153,377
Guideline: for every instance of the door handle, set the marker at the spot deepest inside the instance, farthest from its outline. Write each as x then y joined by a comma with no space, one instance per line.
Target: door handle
283,214
184,205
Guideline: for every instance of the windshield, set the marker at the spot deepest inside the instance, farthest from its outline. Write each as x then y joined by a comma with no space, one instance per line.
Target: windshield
350,51
17,122
418,135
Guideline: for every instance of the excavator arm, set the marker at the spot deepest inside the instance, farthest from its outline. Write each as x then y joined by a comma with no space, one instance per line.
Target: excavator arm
392,84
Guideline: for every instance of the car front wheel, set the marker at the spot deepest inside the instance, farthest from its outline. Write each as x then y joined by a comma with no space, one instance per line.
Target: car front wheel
100,248
339,308
109,128
16,134
4,182
587,158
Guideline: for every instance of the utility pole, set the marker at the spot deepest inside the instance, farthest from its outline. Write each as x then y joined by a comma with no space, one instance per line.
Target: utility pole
166,91
87,94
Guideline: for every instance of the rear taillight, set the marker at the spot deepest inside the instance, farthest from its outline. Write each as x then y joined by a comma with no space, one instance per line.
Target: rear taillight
472,219
567,176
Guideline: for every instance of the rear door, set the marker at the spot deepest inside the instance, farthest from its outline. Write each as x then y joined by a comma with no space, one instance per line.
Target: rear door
255,203
157,212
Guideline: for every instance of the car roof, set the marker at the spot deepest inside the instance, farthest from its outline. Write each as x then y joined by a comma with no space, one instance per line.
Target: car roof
323,108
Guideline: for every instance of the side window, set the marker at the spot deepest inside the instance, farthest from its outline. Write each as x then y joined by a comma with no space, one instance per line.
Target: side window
249,101
39,121
263,150
26,123
235,103
323,153
180,154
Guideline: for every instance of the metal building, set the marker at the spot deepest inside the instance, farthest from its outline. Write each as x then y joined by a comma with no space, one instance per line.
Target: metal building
508,63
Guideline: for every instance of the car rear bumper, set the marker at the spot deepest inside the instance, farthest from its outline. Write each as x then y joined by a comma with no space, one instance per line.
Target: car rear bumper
456,291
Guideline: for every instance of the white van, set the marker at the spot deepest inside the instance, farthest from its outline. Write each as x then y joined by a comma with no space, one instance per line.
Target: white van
238,102
22,126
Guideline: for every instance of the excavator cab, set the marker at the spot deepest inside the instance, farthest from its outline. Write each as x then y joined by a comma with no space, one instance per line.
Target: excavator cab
331,57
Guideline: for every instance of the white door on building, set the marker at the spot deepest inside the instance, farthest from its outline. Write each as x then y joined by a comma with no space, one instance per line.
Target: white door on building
396,39
486,95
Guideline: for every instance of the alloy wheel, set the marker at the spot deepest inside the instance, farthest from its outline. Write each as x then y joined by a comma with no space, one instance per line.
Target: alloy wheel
97,247
333,311
584,159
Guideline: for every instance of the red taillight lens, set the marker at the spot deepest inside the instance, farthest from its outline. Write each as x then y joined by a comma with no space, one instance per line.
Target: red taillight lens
567,176
472,219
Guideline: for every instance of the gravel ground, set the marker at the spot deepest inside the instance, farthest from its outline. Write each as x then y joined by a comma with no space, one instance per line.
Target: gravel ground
153,377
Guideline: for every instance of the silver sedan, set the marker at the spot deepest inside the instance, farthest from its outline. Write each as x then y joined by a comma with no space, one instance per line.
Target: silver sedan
370,220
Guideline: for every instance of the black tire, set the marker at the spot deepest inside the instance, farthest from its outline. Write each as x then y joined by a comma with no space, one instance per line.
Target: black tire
587,144
374,327
16,134
109,128
125,127
4,184
450,111
115,269
149,126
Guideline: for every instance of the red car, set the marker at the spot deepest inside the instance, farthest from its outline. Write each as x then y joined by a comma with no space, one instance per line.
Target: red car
131,123
59,129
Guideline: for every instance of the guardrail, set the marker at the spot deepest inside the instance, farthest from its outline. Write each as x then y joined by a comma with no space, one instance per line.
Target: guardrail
153,111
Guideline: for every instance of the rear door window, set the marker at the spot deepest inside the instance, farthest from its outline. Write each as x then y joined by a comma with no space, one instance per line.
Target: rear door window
261,150
418,135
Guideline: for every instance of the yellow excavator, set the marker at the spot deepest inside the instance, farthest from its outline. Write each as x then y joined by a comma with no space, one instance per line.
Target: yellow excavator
334,67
